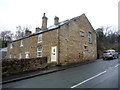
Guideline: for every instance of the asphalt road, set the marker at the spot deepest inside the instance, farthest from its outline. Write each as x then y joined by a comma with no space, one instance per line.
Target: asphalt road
99,74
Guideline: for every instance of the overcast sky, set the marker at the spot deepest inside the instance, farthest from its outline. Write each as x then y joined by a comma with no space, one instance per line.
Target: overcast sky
30,12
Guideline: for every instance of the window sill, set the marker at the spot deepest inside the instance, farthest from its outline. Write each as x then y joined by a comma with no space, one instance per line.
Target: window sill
39,56
90,42
21,46
40,42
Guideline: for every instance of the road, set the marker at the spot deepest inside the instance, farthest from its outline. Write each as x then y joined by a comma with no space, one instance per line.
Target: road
99,74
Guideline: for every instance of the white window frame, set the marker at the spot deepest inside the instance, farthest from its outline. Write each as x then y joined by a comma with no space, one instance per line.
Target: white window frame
20,55
10,56
82,34
27,53
21,43
89,37
11,45
39,51
14,56
39,38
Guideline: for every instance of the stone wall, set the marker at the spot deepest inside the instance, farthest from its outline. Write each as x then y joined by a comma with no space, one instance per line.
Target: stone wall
12,66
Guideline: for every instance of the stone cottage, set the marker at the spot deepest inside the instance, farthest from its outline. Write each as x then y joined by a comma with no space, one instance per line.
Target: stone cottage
72,40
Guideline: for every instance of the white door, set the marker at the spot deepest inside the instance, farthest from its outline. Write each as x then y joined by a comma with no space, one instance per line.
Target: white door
54,54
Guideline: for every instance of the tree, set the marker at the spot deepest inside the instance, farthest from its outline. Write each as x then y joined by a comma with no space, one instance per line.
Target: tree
6,36
107,38
21,31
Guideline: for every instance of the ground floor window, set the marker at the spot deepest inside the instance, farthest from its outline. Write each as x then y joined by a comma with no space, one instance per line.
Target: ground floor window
26,54
20,55
14,56
10,56
39,51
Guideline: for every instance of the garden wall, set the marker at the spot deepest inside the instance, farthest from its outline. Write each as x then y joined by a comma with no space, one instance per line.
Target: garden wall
12,66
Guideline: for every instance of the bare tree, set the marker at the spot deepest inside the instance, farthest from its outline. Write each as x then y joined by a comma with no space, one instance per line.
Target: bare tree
6,36
107,38
21,31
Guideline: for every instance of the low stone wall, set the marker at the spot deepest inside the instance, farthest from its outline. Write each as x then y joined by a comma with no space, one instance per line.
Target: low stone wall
13,66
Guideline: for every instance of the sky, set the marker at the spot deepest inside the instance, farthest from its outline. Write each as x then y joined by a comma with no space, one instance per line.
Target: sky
28,13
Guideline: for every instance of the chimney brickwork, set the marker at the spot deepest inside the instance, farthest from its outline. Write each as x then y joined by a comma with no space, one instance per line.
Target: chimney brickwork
44,22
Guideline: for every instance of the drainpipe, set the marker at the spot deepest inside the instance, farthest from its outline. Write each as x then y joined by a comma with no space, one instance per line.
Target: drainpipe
59,45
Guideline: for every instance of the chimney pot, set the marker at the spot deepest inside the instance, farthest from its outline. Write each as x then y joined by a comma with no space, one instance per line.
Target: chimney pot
56,20
27,32
38,29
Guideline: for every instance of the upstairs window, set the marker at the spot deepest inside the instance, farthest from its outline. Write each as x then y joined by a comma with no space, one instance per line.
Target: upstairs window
39,51
85,47
21,43
90,37
39,38
81,33
11,45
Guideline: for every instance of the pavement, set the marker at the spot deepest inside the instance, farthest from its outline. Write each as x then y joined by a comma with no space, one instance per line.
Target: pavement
30,74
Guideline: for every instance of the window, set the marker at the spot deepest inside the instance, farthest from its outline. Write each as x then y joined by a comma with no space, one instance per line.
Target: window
39,38
85,47
14,56
20,55
11,45
39,51
90,37
81,33
10,56
26,54
21,43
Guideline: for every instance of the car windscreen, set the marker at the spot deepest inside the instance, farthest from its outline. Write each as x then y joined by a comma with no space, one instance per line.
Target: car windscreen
106,52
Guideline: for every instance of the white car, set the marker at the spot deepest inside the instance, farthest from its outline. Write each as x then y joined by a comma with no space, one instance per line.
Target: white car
112,54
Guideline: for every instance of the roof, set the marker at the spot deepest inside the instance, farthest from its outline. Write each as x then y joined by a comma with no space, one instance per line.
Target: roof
53,27
45,30
3,49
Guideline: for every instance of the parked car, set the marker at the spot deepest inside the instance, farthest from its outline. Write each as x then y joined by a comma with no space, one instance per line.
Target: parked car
110,54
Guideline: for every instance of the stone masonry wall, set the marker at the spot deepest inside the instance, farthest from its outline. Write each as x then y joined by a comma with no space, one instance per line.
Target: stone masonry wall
50,39
72,44
13,66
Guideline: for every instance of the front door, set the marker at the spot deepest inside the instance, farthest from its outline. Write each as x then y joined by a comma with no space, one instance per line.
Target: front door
54,54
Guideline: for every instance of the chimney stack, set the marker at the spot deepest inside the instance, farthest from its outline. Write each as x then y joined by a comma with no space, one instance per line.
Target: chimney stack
38,29
44,22
27,32
56,20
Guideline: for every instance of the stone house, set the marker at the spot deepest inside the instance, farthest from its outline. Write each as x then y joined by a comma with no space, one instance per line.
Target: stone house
70,41
3,53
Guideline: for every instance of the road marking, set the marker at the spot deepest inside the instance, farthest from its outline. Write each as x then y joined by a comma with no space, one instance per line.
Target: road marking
116,65
88,79
92,77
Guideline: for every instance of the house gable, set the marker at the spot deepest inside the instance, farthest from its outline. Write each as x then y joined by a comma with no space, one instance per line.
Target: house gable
73,47
86,22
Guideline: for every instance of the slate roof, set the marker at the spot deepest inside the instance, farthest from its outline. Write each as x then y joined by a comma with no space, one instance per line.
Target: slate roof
45,30
3,49
53,27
